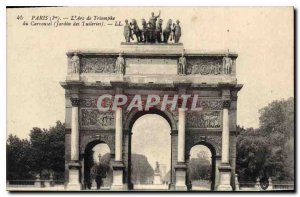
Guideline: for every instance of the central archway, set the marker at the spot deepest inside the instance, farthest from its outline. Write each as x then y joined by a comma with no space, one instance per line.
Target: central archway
150,150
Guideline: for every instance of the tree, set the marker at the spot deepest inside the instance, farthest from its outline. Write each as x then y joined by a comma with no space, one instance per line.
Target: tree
42,154
141,170
199,168
251,154
18,159
269,150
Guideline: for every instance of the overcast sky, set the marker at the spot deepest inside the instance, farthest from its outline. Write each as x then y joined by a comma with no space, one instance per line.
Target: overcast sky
36,60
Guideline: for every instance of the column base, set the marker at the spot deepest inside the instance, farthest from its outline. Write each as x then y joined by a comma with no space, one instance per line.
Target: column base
118,169
74,172
180,173
225,177
73,187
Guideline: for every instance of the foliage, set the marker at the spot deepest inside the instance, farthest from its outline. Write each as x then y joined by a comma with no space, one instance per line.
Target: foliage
269,150
199,168
18,158
42,154
141,170
103,168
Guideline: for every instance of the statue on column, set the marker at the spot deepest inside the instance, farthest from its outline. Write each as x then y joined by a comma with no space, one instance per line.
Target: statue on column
157,167
227,63
182,64
127,32
120,64
167,31
177,31
75,62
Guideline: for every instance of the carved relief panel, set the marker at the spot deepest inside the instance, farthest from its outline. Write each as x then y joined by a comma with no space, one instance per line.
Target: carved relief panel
210,66
91,117
98,65
208,117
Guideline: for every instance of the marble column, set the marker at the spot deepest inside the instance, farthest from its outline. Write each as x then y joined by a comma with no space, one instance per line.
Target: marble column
118,166
74,164
225,133
180,168
75,130
225,168
181,134
119,135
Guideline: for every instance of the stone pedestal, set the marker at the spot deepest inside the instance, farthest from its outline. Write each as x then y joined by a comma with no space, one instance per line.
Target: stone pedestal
74,173
225,177
237,184
94,184
157,179
73,77
37,182
180,173
118,168
270,187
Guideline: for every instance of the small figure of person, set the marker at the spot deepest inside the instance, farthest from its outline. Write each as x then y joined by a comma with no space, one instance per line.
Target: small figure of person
227,63
120,64
182,64
152,26
177,31
127,32
189,185
75,61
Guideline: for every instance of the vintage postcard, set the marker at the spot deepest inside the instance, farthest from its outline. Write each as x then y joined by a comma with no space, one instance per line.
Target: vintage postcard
150,99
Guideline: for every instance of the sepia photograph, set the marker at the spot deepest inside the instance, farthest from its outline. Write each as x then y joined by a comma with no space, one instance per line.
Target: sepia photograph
150,99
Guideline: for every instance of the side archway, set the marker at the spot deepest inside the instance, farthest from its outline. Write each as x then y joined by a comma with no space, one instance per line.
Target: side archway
97,170
195,159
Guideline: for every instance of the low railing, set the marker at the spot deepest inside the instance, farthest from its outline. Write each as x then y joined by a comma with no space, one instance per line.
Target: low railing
256,186
34,183
283,186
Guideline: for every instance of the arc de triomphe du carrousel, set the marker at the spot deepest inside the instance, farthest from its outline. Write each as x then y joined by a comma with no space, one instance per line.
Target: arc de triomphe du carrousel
174,71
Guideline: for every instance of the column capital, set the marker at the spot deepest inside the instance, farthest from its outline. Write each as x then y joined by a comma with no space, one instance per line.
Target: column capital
75,101
226,103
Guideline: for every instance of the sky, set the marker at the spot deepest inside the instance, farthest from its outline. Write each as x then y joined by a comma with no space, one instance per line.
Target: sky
36,60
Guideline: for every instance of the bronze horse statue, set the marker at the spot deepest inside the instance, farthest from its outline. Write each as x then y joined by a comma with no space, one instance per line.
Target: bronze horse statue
144,31
167,31
136,30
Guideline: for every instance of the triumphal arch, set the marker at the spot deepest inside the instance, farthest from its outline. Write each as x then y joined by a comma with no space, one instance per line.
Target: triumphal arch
151,69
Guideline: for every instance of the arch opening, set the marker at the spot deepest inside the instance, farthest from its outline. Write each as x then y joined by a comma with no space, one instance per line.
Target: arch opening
97,166
150,152
201,167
